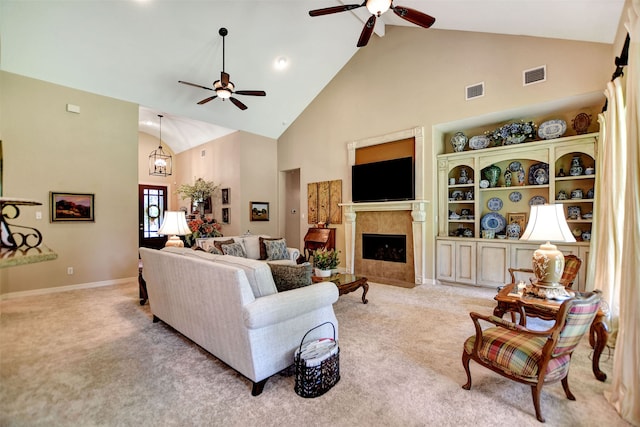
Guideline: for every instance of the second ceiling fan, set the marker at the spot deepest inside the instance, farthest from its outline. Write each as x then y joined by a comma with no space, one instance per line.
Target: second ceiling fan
224,88
377,8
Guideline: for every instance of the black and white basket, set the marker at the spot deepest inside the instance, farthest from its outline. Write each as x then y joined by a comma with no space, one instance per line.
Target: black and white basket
317,365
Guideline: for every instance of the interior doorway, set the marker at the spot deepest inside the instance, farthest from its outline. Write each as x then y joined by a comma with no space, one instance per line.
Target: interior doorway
292,207
152,203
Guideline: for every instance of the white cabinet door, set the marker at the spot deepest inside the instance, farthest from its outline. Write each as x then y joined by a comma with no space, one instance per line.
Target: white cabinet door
581,280
493,262
466,262
446,259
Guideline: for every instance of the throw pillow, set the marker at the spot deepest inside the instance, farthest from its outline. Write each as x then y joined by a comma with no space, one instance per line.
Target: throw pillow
234,249
218,243
214,250
289,276
276,249
263,248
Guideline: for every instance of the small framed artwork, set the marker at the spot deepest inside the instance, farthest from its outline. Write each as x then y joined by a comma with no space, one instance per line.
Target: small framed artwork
207,206
519,218
225,196
225,215
259,211
71,207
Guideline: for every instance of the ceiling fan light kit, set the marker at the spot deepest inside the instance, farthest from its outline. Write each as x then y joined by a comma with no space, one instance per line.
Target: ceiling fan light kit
224,88
377,8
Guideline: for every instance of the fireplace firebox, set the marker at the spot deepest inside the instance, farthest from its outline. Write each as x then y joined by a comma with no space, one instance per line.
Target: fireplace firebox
385,247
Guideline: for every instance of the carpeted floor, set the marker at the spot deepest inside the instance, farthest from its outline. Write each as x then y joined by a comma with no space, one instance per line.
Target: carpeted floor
94,358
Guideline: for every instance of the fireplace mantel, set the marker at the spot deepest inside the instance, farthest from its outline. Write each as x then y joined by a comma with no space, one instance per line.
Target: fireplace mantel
418,210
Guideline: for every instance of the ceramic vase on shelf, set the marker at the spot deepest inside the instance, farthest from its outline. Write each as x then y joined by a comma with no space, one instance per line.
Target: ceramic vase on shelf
492,174
576,166
459,141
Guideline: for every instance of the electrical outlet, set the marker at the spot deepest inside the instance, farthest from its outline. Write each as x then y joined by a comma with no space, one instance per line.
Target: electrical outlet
38,215
69,271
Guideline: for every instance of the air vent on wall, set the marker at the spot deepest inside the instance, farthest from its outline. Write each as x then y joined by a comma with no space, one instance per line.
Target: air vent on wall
474,91
534,75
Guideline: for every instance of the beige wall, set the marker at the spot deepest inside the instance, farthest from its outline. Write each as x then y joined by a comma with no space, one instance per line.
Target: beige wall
46,148
247,165
415,77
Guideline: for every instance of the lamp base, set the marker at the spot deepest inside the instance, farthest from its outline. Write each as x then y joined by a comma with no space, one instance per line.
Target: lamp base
174,241
549,291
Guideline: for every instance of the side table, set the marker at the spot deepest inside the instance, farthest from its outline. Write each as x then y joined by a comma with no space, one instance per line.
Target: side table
598,332
346,283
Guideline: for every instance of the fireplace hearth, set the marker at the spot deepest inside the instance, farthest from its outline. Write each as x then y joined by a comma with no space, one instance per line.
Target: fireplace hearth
385,247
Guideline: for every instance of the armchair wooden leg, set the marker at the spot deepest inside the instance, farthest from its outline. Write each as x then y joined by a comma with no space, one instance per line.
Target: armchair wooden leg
565,386
465,364
535,392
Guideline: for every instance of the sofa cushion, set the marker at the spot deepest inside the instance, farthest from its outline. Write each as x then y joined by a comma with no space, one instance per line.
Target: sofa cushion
252,246
291,276
263,248
234,249
276,249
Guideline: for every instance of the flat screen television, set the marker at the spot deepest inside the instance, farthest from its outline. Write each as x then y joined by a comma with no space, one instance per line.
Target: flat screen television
384,181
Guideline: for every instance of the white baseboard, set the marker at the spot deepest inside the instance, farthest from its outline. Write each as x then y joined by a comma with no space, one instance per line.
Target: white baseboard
56,289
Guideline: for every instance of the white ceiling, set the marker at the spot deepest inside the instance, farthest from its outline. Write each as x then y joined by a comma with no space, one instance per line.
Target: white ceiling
137,50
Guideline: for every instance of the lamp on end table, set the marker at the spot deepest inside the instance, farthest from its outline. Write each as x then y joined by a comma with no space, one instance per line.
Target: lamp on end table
174,225
548,223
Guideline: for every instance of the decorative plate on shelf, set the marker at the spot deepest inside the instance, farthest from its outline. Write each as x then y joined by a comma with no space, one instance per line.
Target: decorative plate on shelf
515,166
515,196
493,221
494,204
539,174
537,200
478,142
457,195
552,129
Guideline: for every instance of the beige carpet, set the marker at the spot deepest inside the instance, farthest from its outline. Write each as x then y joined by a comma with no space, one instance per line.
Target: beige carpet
94,358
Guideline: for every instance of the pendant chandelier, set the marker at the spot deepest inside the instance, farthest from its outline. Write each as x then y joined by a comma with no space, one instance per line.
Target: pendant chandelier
159,161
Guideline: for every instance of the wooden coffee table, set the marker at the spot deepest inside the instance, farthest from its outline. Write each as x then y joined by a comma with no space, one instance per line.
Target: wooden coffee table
346,283
598,333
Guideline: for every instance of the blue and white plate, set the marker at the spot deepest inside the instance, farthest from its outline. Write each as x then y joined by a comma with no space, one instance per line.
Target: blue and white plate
539,174
537,200
515,166
515,196
493,221
478,142
552,129
494,204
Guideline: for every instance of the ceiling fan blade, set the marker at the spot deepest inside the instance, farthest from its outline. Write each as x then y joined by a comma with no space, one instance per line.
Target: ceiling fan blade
204,101
251,92
335,9
224,79
414,16
367,31
238,104
193,84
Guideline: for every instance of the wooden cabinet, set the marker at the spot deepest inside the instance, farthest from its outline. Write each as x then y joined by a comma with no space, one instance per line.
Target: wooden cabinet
463,203
317,238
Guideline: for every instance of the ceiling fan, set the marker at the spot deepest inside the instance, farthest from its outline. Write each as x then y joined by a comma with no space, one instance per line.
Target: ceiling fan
377,8
224,88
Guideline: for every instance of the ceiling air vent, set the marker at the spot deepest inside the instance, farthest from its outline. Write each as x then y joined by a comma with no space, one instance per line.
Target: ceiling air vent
534,75
474,91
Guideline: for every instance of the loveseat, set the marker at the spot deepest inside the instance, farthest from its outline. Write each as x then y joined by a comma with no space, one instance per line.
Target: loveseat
259,247
230,307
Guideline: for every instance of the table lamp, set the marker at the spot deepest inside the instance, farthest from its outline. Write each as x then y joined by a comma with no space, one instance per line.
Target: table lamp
548,223
174,225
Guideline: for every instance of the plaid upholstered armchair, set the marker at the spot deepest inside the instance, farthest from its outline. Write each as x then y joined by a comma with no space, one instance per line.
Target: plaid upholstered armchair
532,357
571,267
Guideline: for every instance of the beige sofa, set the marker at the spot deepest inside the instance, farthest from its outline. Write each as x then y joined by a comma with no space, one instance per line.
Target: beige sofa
231,308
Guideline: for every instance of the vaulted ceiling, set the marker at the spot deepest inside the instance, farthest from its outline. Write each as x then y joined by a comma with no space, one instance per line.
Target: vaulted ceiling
137,50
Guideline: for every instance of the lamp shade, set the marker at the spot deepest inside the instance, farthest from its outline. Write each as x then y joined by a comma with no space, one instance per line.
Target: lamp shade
547,224
174,224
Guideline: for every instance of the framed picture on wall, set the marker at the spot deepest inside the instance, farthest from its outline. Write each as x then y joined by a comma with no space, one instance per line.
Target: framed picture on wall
259,211
225,215
71,206
225,196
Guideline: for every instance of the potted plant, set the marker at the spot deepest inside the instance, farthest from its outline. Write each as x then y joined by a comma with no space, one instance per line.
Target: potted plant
198,192
324,261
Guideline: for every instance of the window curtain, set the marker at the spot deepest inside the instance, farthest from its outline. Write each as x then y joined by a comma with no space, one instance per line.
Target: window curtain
617,241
